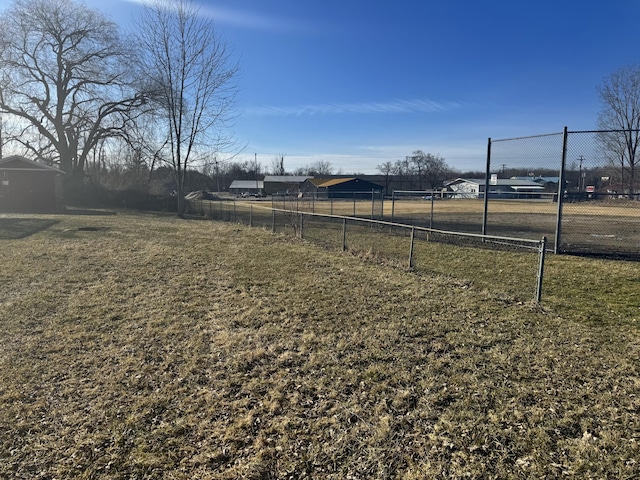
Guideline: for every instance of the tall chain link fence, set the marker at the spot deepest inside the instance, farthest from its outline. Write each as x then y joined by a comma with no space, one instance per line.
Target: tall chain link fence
523,186
578,189
587,201
600,212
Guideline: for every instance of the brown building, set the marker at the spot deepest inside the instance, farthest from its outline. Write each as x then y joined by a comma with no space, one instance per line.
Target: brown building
28,186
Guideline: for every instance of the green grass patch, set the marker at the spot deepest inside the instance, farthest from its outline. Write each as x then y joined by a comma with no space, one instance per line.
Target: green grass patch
140,346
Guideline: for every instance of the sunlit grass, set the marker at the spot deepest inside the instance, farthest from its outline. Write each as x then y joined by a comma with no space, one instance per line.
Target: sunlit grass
146,347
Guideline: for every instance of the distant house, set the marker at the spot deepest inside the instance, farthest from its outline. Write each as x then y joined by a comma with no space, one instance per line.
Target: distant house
339,187
274,184
506,188
28,186
246,186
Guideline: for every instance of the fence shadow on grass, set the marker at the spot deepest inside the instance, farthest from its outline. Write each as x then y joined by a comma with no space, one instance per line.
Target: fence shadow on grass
17,228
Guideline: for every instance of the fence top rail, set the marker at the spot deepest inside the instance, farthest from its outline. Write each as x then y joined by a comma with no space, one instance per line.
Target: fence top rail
419,191
622,130
526,138
404,225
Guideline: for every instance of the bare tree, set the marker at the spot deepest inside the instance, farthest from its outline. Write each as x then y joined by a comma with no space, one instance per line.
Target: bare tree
436,170
620,117
277,164
429,169
319,167
386,169
10,133
63,74
402,170
417,160
147,140
190,79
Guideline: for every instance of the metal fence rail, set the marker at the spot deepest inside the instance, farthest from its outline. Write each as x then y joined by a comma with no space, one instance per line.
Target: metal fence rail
354,203
403,244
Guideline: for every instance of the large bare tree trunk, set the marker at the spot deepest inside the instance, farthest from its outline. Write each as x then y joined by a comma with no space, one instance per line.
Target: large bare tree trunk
63,74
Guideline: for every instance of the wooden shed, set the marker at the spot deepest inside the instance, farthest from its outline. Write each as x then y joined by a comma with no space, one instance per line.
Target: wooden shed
28,186
281,184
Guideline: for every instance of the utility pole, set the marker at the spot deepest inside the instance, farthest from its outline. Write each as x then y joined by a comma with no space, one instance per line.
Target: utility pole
255,166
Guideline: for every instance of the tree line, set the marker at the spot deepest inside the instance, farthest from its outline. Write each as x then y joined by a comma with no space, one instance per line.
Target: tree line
75,89
418,171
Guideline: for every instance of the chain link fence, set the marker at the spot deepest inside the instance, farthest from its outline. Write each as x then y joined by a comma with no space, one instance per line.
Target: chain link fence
600,210
436,209
523,181
587,201
579,190
415,247
350,203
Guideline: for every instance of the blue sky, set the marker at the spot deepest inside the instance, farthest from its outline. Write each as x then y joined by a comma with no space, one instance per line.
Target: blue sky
361,82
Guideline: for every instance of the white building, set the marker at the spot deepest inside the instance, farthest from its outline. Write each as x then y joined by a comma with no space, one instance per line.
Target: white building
506,188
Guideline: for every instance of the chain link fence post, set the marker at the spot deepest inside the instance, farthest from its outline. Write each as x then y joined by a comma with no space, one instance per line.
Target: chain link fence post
543,249
344,234
561,182
413,236
393,205
486,188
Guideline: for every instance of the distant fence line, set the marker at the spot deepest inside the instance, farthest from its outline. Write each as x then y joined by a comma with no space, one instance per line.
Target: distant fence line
366,234
369,204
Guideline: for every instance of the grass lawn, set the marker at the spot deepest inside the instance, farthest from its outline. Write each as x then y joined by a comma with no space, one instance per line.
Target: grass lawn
142,346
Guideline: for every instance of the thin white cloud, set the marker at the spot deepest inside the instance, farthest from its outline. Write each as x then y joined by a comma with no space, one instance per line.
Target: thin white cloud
240,18
398,106
467,155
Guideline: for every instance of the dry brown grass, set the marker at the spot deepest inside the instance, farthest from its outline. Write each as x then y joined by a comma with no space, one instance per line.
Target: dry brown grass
148,347
624,209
